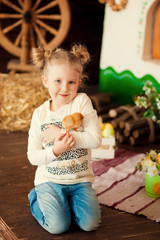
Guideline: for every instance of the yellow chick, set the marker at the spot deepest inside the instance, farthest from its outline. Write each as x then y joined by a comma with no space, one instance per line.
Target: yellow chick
72,121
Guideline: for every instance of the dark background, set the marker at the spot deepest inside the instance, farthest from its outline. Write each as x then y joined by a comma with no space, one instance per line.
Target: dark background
86,28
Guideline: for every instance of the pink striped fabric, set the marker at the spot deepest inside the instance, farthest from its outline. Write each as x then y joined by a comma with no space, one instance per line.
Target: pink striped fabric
119,185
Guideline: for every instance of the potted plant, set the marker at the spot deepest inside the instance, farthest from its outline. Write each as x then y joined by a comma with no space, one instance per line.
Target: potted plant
151,165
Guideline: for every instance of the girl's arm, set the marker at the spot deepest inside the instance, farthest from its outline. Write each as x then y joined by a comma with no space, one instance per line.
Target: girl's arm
39,156
50,134
63,143
36,154
91,136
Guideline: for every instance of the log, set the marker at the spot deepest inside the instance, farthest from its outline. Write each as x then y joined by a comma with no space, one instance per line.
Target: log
130,112
113,113
143,140
122,117
141,132
120,137
134,124
123,139
117,135
145,122
126,133
135,141
122,123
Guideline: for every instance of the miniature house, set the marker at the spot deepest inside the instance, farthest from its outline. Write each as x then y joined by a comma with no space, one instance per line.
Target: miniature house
130,51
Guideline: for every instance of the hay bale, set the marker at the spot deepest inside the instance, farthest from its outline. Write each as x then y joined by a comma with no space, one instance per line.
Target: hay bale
20,95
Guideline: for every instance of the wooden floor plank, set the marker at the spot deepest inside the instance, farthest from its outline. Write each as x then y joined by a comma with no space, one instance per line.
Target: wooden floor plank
16,180
5,232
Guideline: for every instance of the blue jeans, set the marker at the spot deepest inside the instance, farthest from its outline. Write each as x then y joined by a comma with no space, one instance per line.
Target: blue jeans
54,205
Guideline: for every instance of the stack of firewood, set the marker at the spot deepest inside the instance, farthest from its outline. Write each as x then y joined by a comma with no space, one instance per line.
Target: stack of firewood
128,121
131,127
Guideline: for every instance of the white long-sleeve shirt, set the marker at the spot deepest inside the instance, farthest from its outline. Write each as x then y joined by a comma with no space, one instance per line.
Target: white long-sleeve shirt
72,166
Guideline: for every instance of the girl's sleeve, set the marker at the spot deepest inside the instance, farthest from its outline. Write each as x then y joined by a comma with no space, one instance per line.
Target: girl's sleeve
35,152
90,137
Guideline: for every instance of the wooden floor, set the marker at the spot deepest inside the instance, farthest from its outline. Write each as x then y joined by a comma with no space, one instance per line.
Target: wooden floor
16,180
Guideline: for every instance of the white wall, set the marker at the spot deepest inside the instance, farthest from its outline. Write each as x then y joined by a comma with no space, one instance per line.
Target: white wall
123,39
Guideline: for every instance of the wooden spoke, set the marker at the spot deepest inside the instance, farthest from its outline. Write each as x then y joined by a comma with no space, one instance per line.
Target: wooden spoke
18,39
38,32
11,5
47,27
7,15
32,38
10,28
50,5
36,5
21,3
51,17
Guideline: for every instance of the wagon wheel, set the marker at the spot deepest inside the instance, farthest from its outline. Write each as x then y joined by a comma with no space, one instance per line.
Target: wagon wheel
27,24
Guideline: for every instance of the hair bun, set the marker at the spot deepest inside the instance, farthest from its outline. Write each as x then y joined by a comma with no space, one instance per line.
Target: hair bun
38,57
47,53
80,52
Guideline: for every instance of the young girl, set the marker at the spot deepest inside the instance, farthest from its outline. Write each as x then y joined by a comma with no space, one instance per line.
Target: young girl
63,180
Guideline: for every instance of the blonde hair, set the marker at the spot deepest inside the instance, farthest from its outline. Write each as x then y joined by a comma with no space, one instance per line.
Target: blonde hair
77,57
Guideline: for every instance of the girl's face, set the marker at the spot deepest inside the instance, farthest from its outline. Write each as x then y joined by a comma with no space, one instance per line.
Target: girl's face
62,82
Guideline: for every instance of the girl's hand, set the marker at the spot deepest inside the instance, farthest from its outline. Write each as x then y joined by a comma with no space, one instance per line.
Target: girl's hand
50,134
63,143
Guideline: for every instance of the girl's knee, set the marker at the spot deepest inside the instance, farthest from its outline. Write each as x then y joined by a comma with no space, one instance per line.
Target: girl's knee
90,221
57,227
90,225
